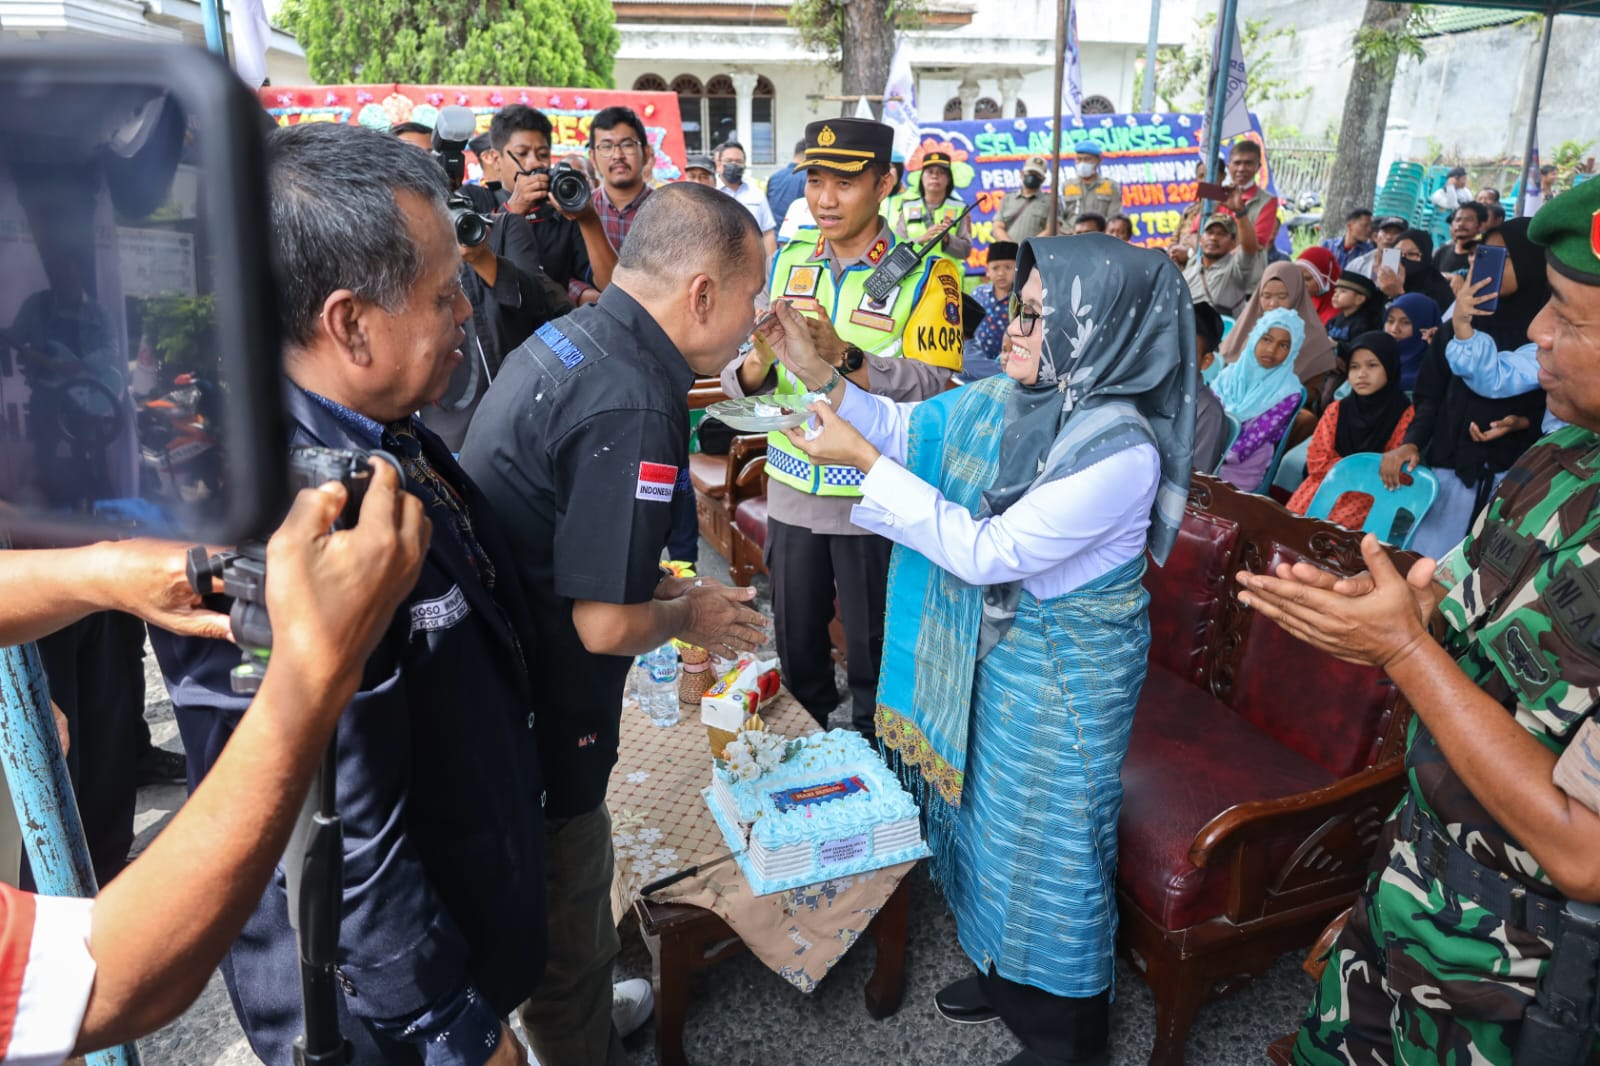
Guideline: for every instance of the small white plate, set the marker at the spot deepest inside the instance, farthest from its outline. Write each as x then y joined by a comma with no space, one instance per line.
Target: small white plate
760,414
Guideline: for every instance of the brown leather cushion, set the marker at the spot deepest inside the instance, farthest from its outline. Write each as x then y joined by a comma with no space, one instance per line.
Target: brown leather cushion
1188,592
709,474
751,518
1190,759
1342,730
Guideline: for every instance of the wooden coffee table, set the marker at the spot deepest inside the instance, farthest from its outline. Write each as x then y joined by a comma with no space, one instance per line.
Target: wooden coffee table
684,940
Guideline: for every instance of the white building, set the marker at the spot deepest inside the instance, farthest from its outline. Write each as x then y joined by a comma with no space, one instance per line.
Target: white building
146,21
738,68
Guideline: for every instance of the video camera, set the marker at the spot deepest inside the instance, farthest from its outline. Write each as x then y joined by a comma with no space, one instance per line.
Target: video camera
242,574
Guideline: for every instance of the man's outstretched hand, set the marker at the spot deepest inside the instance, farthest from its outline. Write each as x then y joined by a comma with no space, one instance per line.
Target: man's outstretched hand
1374,619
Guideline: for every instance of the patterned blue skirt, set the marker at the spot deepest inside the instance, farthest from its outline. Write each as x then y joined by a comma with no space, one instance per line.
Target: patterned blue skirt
1034,886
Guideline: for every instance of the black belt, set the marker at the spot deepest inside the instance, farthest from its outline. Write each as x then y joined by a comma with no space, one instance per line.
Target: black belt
1448,863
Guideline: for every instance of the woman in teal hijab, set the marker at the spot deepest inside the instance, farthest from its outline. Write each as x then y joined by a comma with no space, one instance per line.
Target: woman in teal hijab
1017,636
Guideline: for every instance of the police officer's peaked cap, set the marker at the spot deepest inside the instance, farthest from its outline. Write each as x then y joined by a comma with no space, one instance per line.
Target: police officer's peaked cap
936,157
848,145
1569,228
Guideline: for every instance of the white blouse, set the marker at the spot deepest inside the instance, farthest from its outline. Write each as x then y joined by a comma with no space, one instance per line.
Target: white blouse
1054,539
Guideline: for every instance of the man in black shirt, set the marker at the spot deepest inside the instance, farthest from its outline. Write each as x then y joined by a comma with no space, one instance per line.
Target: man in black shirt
578,445
573,249
1466,226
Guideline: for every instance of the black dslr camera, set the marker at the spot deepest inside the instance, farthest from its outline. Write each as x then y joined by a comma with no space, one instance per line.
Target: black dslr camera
472,228
243,574
569,187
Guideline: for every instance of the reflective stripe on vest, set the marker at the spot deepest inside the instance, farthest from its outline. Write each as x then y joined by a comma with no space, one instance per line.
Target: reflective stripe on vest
801,275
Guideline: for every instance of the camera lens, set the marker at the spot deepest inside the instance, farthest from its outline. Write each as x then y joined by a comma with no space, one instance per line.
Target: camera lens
472,229
569,189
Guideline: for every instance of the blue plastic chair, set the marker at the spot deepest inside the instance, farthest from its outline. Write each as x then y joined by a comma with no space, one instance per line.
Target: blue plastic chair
1359,473
1265,487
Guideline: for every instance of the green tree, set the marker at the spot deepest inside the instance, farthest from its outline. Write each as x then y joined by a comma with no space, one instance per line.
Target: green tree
1182,70
565,43
1388,32
858,38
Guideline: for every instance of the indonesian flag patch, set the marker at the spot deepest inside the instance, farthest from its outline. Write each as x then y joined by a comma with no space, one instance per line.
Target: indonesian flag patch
656,482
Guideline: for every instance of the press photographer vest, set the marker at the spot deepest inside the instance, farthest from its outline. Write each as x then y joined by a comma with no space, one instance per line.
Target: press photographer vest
919,218
801,275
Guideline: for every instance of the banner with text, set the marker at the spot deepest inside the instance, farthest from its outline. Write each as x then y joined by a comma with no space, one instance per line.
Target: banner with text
570,111
1153,156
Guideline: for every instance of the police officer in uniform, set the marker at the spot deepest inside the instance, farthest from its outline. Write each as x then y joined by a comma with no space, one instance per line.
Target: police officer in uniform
578,445
1475,938
936,202
1088,191
905,346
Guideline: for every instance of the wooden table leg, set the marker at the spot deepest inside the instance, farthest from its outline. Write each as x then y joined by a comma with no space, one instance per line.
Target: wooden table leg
669,979
887,985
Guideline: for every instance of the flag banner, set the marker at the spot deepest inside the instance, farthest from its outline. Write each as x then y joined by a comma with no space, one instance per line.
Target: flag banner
1072,92
1153,156
1236,117
900,101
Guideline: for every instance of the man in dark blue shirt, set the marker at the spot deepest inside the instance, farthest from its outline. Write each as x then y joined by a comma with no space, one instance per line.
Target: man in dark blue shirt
578,445
787,185
439,785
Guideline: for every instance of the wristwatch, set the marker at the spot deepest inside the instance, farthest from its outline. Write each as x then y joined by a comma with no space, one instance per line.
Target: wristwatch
853,359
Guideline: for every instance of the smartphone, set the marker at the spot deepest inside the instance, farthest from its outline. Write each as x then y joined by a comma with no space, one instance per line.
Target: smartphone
1207,190
1489,261
1390,257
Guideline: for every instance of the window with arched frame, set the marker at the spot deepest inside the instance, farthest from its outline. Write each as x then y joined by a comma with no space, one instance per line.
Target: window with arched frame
710,114
650,83
985,107
952,109
1098,105
1021,110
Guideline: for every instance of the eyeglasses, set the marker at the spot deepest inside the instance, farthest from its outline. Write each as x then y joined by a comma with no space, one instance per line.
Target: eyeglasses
1024,318
608,148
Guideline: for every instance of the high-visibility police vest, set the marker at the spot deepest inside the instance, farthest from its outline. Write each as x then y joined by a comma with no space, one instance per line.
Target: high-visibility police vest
919,218
920,320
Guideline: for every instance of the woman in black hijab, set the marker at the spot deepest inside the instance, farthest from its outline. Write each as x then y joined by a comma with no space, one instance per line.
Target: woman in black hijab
1470,440
1418,274
1373,418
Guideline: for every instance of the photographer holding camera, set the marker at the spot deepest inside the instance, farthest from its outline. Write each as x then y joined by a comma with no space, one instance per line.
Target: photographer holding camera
511,296
439,787
556,203
78,974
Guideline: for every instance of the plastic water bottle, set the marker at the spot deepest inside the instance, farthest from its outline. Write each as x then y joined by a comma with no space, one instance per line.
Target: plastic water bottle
658,685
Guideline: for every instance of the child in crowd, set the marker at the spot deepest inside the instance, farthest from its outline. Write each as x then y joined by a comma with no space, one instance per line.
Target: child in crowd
1283,285
1358,308
1373,418
1210,420
1411,320
1263,393
1322,272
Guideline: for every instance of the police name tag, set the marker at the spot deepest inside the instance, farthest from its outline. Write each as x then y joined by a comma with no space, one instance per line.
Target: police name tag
439,613
656,482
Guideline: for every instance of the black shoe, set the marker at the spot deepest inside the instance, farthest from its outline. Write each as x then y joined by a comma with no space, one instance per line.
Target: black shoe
158,766
964,1002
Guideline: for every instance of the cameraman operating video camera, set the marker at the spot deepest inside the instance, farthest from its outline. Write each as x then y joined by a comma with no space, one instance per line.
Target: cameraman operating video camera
77,975
573,248
439,787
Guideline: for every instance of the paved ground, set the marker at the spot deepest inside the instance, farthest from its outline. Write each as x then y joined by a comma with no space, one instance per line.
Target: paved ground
744,1015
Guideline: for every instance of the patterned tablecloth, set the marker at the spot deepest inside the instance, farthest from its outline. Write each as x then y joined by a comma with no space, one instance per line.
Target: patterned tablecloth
660,825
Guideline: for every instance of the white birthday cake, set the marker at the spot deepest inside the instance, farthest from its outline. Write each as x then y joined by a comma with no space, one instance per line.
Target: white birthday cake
796,812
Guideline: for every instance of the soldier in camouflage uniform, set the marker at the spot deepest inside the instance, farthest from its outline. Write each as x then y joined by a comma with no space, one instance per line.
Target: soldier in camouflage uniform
1445,948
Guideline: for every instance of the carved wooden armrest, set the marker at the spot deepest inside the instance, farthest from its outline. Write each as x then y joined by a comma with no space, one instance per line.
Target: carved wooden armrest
1327,822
